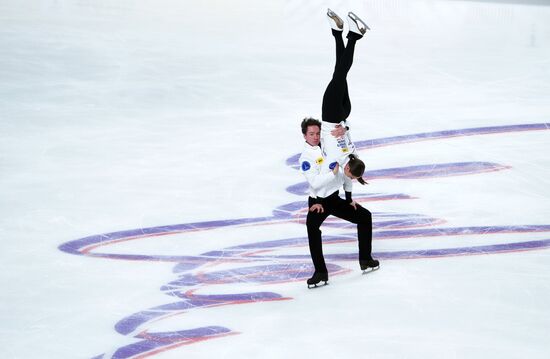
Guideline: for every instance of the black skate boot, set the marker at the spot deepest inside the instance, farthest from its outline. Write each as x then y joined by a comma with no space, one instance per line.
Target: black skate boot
365,264
317,277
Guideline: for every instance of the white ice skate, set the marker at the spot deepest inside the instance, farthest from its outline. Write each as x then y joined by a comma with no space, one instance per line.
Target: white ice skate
336,23
357,25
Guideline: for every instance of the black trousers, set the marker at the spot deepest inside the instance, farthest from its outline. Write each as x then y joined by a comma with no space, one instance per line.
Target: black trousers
336,102
336,206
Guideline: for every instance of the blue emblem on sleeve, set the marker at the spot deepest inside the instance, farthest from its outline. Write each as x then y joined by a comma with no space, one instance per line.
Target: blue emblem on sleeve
305,166
332,165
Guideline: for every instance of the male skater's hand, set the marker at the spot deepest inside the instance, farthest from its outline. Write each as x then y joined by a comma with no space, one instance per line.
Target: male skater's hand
316,208
338,131
354,205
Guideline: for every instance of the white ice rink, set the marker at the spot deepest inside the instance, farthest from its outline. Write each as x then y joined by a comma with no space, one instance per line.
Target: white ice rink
150,205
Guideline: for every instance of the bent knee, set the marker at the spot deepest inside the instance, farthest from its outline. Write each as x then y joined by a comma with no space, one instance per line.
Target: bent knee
366,216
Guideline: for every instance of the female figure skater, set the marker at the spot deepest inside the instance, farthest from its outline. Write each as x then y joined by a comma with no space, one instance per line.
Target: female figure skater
336,142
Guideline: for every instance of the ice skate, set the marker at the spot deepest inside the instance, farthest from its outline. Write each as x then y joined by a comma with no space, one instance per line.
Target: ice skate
357,25
316,279
336,23
369,265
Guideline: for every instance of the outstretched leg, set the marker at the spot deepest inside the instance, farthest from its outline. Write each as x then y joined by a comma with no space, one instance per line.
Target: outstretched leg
336,103
339,46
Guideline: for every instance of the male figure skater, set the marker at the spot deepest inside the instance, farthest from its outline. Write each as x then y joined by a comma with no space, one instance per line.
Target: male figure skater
324,200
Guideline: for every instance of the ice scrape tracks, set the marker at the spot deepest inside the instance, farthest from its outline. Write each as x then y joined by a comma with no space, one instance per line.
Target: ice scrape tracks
274,262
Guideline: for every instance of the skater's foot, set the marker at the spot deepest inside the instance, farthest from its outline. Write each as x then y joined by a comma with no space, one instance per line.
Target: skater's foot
369,263
356,25
336,23
317,278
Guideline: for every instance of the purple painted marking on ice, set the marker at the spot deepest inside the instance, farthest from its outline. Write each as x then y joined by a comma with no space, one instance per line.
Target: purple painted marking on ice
395,215
415,172
451,133
225,298
75,247
427,253
424,232
262,274
412,233
159,340
285,211
430,232
257,274
135,257
436,170
289,242
293,160
387,224
189,263
131,323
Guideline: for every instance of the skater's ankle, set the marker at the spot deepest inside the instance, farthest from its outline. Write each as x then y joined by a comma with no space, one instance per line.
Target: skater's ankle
353,36
336,33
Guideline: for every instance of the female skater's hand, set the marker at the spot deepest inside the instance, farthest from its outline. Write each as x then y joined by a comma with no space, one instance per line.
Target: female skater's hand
335,169
338,131
354,205
316,208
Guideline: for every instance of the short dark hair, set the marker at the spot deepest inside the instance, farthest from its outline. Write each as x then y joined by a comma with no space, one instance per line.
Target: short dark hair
357,168
309,121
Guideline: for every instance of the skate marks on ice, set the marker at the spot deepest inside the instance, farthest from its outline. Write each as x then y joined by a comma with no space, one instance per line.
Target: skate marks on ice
276,261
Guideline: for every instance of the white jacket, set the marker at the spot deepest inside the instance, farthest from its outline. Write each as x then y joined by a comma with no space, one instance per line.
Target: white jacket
318,173
336,148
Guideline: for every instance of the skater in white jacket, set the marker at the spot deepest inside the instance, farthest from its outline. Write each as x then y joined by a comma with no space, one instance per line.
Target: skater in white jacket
324,181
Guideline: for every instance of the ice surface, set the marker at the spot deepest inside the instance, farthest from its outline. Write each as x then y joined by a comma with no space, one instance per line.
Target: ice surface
148,187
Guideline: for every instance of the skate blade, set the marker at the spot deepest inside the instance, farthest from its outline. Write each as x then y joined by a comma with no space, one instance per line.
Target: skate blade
331,13
336,19
370,269
358,21
313,286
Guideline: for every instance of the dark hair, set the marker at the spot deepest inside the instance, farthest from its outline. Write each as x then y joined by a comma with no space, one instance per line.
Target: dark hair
357,168
309,121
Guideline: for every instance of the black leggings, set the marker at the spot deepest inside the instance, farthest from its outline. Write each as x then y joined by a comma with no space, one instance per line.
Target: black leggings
336,103
336,206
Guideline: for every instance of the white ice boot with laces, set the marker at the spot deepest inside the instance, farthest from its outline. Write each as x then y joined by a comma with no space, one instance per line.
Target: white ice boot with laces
357,25
336,23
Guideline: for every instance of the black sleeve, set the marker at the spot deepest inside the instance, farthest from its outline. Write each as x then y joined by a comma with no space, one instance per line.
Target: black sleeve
348,197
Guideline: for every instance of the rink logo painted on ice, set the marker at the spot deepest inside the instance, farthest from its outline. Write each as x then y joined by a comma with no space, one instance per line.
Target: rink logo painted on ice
275,262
